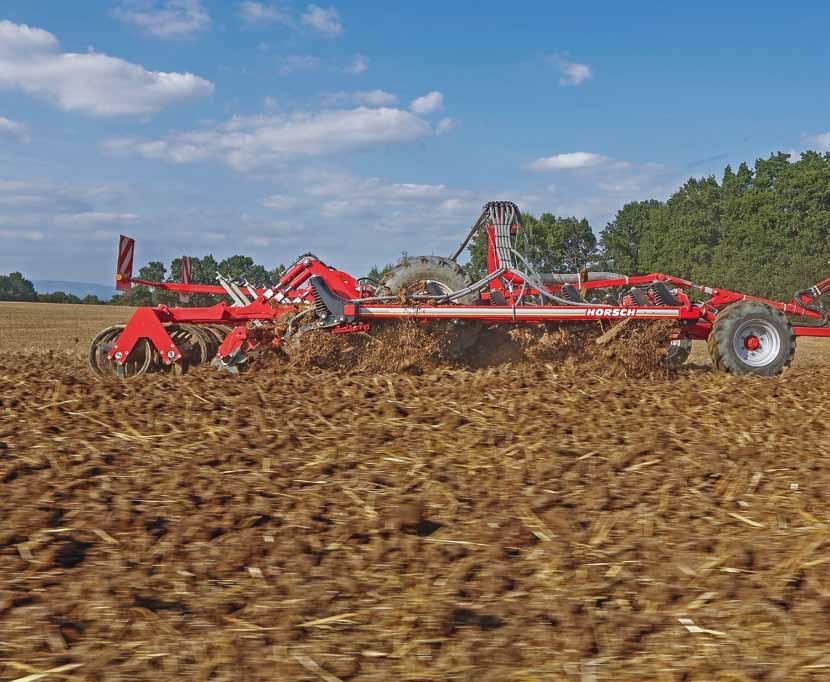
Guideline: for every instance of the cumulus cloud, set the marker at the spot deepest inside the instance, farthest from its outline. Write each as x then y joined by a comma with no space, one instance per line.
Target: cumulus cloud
445,125
94,219
429,103
358,65
78,224
21,234
389,207
38,207
262,14
821,142
164,18
14,129
247,142
372,98
568,161
279,202
573,73
326,20
91,83
298,62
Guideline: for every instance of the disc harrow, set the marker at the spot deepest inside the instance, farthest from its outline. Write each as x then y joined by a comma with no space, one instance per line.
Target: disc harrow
198,344
753,335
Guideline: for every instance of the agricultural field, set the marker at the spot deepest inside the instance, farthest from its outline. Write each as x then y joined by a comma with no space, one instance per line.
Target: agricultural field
518,522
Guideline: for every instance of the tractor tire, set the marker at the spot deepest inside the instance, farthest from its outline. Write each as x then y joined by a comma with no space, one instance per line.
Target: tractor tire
447,274
751,337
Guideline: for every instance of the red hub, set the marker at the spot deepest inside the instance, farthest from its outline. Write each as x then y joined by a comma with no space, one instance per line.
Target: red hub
752,343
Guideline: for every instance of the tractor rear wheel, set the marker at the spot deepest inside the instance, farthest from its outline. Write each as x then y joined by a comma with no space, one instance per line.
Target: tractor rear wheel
751,337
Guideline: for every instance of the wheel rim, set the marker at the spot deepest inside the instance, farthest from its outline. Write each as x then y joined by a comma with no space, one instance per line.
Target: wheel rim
757,343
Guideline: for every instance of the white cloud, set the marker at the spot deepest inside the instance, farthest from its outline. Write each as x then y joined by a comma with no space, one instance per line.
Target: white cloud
279,202
164,18
821,142
31,210
261,14
247,142
14,128
94,219
25,235
372,98
358,65
298,62
445,125
429,103
390,206
573,73
568,161
92,83
322,19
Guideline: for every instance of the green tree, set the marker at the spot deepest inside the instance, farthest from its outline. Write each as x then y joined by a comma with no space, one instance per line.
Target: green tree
762,230
244,268
276,273
15,287
376,274
681,234
775,229
476,267
202,271
138,296
58,297
561,244
141,296
620,241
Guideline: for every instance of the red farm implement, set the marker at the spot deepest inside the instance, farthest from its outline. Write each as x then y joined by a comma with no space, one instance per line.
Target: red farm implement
746,334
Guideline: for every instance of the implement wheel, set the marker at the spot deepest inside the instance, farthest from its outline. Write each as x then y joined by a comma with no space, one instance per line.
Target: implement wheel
751,337
431,275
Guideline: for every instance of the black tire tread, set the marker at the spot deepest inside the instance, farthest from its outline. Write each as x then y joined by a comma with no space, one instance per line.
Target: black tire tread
412,269
719,342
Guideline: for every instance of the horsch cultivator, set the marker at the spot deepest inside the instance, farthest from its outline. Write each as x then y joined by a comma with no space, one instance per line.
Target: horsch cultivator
746,335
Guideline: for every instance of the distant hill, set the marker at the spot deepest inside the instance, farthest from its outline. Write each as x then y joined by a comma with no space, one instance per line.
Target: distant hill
80,289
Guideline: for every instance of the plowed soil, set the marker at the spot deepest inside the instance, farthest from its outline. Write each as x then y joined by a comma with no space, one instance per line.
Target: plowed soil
64,328
528,522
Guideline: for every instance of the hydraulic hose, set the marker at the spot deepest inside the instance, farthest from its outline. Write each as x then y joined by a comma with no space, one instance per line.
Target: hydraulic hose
813,306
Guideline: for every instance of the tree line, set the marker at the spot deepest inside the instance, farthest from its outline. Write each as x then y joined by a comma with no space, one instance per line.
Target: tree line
15,287
763,230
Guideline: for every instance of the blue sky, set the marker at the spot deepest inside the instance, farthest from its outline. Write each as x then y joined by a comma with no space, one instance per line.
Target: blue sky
358,130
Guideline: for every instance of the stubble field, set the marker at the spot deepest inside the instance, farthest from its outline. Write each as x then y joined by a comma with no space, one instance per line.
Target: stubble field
528,522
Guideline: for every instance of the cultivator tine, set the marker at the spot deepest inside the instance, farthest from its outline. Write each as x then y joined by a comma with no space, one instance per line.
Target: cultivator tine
233,290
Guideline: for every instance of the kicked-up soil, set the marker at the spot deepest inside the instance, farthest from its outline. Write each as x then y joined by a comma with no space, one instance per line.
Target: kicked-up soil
527,522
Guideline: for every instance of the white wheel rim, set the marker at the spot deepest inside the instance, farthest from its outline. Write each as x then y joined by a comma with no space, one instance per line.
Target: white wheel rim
762,333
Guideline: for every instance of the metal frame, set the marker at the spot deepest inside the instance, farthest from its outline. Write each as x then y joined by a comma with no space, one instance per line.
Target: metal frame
511,293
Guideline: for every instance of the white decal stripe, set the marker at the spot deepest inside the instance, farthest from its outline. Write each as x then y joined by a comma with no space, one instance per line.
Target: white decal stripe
519,313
